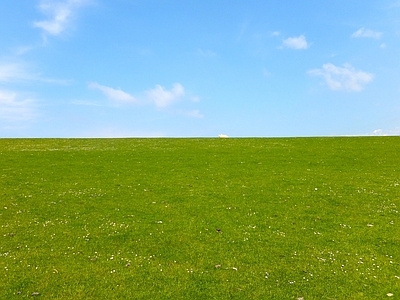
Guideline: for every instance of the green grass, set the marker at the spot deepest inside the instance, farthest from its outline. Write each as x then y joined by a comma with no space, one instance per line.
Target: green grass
312,218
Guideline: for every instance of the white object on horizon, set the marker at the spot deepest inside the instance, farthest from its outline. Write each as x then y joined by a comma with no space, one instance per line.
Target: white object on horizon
223,136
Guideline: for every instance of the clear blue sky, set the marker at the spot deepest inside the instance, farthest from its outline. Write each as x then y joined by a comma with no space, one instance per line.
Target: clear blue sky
115,68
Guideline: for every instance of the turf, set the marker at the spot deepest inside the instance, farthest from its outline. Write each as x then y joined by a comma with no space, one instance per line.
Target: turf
285,218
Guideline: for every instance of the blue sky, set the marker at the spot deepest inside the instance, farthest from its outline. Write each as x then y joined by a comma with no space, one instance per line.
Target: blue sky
189,68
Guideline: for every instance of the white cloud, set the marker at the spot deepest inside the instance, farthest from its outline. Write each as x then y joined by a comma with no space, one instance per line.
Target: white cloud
191,113
158,96
20,50
206,53
195,114
266,73
394,4
343,78
195,98
10,72
60,14
366,33
298,43
243,29
162,97
13,108
381,132
116,95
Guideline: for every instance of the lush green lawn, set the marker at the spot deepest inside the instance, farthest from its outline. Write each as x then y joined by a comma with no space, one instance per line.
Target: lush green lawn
312,218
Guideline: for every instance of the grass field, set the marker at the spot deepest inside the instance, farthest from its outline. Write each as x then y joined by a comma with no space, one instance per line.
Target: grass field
295,218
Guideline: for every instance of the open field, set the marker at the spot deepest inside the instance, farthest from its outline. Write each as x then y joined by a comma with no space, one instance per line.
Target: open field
311,218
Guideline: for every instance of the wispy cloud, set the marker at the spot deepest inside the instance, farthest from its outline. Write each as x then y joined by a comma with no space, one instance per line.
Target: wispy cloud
343,78
11,72
382,132
158,96
205,53
20,50
191,113
59,13
115,95
162,97
242,31
394,4
298,43
14,107
367,33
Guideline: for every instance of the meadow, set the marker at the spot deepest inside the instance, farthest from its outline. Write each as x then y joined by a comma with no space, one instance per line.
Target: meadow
248,218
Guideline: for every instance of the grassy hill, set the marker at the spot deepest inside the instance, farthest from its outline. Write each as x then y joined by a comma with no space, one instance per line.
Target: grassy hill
284,218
